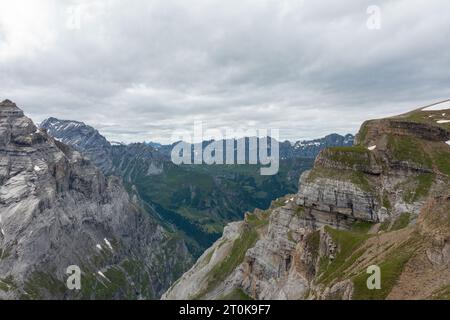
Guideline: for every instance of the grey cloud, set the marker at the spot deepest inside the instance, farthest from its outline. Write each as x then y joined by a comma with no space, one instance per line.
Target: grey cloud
138,70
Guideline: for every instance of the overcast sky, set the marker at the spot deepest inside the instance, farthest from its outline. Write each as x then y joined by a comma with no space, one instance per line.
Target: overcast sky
137,70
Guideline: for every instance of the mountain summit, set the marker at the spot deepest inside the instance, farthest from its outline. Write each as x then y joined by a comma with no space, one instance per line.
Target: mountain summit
83,138
57,210
9,108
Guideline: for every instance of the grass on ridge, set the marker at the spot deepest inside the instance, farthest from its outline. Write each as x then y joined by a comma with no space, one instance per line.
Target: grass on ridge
348,243
391,270
237,254
236,294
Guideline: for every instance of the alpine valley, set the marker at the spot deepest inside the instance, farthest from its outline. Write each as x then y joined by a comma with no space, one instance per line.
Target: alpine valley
192,201
140,227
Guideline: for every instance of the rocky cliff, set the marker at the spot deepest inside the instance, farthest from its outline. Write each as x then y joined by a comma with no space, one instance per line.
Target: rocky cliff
58,210
384,201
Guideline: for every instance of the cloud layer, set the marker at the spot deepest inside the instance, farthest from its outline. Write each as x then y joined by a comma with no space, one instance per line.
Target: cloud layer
138,70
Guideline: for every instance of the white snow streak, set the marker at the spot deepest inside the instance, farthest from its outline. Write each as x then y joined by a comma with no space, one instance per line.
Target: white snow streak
439,106
108,244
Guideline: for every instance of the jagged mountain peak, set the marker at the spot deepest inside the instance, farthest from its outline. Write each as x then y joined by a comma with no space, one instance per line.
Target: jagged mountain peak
9,109
60,127
55,122
83,138
58,210
8,103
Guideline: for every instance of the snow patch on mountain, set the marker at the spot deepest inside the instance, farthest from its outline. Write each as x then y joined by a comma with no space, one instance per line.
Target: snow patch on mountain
438,106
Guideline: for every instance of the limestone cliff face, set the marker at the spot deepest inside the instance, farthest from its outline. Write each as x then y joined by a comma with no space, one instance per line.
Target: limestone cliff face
58,210
384,201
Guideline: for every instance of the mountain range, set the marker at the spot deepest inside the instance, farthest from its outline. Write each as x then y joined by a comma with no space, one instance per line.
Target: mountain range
380,207
196,201
134,223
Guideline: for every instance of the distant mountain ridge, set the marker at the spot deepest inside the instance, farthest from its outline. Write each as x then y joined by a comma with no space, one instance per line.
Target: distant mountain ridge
88,140
194,200
311,148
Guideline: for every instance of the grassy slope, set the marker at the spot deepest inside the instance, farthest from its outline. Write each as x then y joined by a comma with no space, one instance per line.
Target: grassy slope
251,232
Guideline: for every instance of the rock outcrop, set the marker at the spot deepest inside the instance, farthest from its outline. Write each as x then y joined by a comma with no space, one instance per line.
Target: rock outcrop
384,201
58,210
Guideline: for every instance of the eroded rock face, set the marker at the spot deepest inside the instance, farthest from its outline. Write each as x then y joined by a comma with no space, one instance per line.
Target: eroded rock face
338,197
58,210
281,265
271,269
401,125
195,282
318,243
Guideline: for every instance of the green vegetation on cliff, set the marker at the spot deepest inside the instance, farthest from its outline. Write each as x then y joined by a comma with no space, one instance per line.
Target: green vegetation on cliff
348,242
410,149
7,284
236,294
417,187
237,253
39,282
442,161
391,268
390,271
401,222
350,156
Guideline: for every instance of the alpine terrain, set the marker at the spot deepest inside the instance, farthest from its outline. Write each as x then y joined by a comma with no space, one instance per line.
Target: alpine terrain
58,210
384,202
195,201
